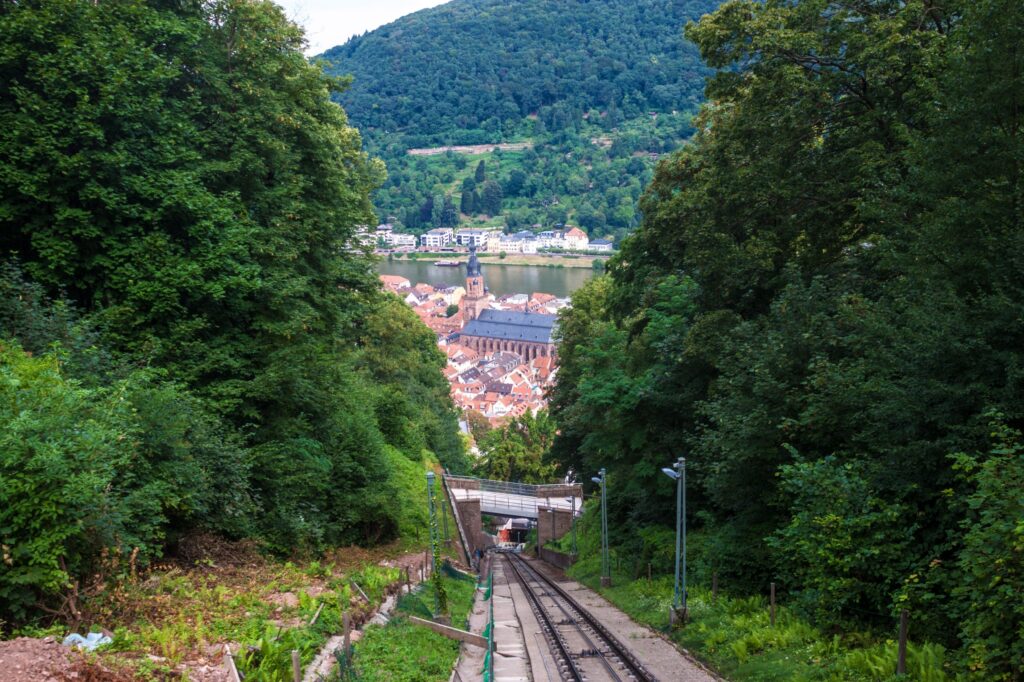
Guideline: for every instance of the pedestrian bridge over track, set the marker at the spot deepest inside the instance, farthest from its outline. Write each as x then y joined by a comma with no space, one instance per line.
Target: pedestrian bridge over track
551,507
517,500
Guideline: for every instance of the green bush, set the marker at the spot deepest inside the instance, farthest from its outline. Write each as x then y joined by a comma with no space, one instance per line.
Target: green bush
61,448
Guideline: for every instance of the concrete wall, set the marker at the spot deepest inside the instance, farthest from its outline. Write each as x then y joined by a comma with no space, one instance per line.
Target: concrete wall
469,513
563,561
552,524
462,540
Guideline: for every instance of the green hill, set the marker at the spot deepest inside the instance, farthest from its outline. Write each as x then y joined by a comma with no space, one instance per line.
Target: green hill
600,88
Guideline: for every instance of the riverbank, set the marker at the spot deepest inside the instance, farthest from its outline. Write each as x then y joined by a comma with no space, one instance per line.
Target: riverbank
542,260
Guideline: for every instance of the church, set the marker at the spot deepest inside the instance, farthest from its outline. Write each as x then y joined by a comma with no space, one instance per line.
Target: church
530,335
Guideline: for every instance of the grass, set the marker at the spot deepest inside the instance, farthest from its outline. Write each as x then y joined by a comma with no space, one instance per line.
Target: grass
734,636
404,652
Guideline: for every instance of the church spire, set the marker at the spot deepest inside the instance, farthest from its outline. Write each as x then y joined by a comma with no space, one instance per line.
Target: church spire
473,266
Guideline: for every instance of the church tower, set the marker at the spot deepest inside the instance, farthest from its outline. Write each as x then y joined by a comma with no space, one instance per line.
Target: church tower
475,299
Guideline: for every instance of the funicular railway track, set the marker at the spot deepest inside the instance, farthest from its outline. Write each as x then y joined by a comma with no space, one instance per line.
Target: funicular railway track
584,650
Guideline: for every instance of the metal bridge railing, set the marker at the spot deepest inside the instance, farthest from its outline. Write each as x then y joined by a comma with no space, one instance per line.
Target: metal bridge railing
526,489
523,504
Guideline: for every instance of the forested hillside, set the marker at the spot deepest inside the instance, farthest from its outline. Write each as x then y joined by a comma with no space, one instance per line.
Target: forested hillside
600,88
188,339
822,312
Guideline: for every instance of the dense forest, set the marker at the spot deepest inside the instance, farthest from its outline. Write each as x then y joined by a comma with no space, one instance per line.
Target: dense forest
599,88
189,341
821,311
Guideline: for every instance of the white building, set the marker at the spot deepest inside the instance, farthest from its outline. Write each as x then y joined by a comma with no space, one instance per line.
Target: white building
576,240
437,238
402,241
602,245
472,237
550,240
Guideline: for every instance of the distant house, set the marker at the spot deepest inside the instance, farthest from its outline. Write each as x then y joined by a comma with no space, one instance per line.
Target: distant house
550,239
472,237
394,282
401,241
437,238
602,245
576,240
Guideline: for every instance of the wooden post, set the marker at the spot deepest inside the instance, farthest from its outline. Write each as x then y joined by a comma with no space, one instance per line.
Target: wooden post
361,593
231,665
901,653
408,580
296,666
346,623
773,605
714,587
648,571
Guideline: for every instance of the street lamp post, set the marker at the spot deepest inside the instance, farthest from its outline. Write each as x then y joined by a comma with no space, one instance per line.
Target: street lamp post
606,568
678,614
572,501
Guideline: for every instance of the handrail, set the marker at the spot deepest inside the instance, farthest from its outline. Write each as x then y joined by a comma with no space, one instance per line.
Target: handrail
520,502
518,488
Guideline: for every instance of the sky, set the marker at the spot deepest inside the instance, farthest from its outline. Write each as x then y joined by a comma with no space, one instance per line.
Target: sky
332,22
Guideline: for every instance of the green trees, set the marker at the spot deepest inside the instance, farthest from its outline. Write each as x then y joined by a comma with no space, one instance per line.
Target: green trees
490,198
181,176
474,72
515,451
818,309
580,80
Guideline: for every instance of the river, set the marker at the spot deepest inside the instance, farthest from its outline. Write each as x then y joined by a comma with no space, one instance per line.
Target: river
500,279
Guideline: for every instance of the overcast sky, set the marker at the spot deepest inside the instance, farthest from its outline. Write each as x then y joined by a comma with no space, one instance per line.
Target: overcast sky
332,22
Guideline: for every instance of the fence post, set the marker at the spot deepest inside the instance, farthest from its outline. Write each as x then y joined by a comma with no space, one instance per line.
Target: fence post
773,605
714,587
296,666
901,654
347,626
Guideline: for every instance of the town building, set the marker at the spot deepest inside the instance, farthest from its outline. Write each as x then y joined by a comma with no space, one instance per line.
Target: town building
437,238
601,245
401,241
576,240
473,237
475,299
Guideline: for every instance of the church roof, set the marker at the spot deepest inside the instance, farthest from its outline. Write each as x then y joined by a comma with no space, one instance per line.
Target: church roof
512,326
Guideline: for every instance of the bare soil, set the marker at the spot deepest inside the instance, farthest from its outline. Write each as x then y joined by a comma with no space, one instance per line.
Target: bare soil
46,660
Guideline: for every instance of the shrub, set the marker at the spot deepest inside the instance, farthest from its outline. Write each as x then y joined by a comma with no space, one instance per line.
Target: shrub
62,495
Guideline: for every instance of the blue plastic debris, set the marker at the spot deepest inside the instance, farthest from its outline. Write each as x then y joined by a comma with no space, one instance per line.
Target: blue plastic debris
89,642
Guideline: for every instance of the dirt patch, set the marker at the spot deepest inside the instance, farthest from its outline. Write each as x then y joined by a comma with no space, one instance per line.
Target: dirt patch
210,550
46,660
288,600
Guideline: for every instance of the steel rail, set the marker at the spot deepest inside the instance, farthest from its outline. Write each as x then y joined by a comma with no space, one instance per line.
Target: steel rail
555,637
574,620
635,667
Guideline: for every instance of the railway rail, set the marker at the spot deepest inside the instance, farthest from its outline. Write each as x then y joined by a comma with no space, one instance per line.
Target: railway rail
584,650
